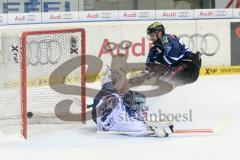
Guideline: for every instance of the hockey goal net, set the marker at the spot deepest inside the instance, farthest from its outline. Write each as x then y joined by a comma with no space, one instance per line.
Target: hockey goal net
42,78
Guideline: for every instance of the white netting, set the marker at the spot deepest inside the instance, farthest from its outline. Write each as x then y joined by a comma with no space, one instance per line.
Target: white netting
45,53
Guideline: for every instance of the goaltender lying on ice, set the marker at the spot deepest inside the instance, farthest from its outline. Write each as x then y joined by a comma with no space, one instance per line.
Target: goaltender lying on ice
118,110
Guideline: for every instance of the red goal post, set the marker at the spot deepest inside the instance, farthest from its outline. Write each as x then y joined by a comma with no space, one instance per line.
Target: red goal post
24,72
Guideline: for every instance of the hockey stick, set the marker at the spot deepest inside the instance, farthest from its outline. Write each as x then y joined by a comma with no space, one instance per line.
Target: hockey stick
219,128
216,130
133,134
185,131
152,133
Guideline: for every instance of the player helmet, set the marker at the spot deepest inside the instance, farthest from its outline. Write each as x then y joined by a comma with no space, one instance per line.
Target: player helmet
156,27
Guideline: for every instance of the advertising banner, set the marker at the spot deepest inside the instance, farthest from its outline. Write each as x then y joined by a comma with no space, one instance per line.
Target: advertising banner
212,38
130,39
235,43
53,17
29,6
24,18
98,15
136,14
212,13
174,14
213,41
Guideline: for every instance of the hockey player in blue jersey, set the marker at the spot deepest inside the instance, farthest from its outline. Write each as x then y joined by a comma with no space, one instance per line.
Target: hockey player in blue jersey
169,59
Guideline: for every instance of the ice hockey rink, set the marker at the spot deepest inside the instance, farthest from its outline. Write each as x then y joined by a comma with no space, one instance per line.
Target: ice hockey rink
37,37
213,101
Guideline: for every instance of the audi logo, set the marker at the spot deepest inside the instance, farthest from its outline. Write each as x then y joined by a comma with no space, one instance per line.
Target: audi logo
208,44
144,14
67,16
220,13
106,15
31,17
44,52
183,14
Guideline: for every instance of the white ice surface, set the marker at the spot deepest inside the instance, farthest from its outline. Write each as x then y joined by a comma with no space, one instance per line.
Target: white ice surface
211,100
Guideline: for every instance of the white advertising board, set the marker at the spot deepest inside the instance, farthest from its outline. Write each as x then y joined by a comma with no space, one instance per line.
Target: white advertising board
24,18
136,14
53,17
98,15
174,14
117,15
212,13
104,40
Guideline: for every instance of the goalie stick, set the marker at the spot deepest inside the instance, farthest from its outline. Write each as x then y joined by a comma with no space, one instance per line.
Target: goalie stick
176,132
223,123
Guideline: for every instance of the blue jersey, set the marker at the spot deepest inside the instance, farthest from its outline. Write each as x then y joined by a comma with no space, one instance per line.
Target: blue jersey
168,50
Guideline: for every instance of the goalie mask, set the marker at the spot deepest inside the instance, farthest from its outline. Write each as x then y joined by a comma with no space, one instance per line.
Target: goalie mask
136,101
